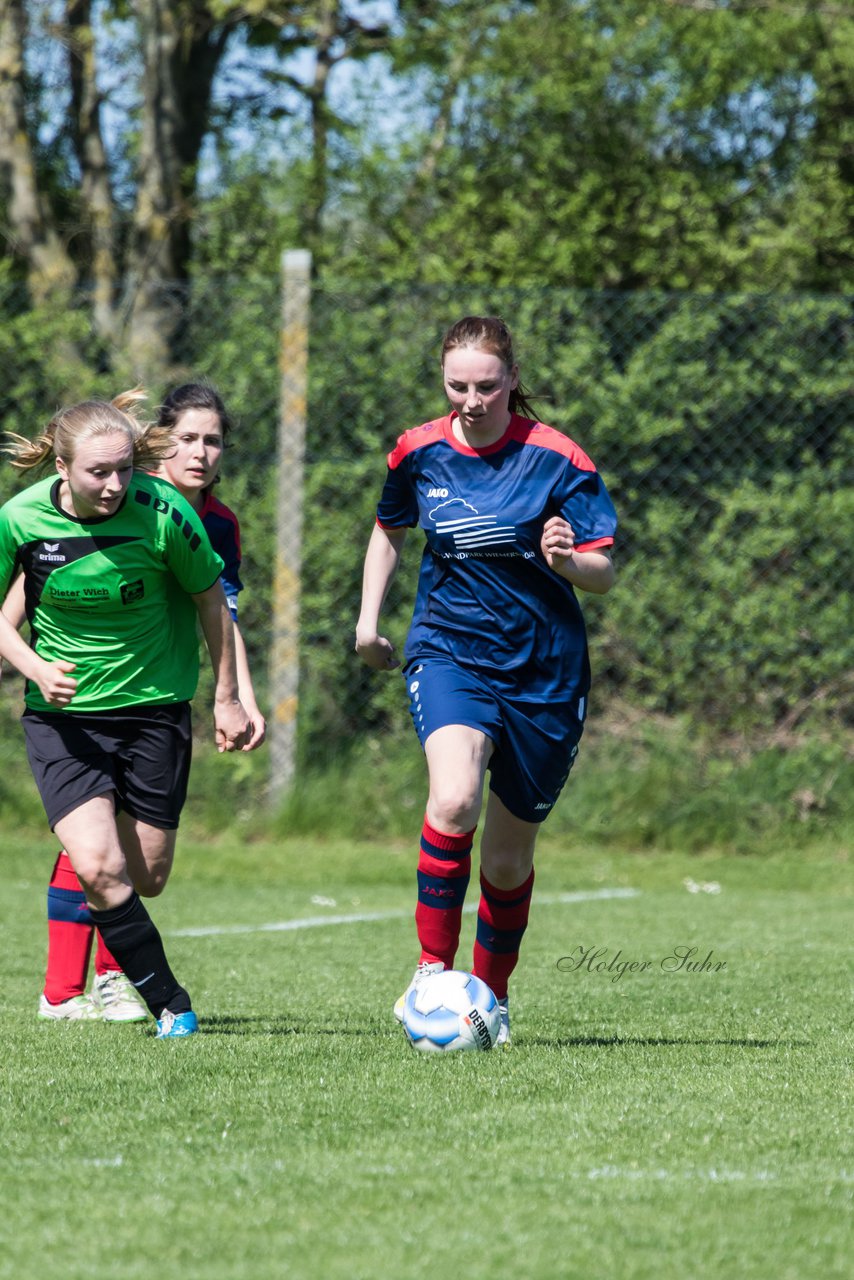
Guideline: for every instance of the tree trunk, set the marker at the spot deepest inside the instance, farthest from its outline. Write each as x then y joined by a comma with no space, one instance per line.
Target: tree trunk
155,260
95,192
50,270
181,49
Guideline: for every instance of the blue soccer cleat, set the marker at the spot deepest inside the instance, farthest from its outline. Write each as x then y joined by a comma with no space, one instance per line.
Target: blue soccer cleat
172,1025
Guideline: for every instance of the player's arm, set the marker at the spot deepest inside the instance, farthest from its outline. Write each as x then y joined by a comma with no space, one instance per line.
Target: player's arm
588,570
247,692
381,562
55,683
232,727
14,606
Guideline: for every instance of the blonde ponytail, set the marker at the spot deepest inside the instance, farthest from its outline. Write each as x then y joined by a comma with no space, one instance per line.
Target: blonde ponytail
71,426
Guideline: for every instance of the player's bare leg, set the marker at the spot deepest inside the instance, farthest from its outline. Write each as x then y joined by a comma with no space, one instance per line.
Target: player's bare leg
92,839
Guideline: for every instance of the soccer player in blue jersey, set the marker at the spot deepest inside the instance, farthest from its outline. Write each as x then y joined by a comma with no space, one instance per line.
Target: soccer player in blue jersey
117,569
199,424
516,518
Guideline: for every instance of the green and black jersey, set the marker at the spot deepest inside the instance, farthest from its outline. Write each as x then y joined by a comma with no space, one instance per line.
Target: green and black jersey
111,594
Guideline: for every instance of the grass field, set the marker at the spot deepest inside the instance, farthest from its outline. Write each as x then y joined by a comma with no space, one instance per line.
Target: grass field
689,1124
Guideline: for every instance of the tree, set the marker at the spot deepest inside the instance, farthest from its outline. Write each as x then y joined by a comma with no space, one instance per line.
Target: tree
114,210
618,144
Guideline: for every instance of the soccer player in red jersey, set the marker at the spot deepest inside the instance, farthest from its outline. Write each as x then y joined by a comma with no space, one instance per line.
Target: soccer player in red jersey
516,518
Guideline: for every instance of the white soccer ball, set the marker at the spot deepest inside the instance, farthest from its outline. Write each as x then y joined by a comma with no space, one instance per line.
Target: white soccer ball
451,1010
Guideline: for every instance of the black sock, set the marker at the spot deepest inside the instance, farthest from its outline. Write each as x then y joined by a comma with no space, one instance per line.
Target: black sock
130,934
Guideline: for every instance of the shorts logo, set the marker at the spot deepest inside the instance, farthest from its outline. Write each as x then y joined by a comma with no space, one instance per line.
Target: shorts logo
132,591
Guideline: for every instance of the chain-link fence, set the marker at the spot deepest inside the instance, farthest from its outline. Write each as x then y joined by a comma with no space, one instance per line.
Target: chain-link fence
722,424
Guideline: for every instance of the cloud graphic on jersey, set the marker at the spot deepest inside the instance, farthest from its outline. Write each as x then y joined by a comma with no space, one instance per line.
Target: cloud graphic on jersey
470,532
452,502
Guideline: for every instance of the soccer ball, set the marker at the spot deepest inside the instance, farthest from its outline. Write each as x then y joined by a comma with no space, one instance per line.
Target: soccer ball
451,1010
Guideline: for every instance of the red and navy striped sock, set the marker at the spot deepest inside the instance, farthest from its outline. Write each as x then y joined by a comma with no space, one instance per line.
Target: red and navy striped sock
69,934
444,868
502,918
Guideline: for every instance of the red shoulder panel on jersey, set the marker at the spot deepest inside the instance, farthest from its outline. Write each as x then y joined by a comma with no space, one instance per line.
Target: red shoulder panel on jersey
537,433
416,438
213,507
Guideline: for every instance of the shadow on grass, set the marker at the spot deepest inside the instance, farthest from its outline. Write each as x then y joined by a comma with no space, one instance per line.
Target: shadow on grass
232,1024
607,1042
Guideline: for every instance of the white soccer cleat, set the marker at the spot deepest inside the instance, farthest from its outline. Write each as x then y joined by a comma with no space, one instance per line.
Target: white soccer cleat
503,1040
425,968
117,998
75,1009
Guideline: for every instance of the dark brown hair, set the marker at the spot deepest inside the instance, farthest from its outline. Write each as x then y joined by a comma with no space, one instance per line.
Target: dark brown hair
193,395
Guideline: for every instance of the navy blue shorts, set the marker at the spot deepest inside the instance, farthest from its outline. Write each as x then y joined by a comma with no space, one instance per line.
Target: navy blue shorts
535,743
140,754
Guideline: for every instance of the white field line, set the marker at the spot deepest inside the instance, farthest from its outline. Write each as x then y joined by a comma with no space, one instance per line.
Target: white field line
368,917
746,1177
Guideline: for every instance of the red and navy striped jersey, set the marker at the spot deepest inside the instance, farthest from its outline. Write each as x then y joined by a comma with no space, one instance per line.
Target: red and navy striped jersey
224,533
486,596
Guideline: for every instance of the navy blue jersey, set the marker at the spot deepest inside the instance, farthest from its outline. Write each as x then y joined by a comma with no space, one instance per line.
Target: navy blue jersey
224,533
486,596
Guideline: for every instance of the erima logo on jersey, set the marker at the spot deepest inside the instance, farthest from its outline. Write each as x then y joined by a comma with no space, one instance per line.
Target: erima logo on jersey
49,553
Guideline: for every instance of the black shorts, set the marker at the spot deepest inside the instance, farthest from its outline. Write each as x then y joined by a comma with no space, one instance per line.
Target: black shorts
140,754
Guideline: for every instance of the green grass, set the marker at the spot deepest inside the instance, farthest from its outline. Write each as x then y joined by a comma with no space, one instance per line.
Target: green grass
661,1125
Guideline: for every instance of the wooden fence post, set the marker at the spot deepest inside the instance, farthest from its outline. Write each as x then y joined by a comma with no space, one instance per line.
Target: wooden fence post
284,651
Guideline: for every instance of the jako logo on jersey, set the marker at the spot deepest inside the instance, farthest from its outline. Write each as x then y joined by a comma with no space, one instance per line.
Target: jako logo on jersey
437,493
49,553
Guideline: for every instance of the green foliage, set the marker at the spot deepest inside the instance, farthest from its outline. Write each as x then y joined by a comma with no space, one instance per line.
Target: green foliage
615,145
722,426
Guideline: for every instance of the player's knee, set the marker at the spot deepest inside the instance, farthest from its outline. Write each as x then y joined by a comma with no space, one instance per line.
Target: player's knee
454,808
151,885
506,868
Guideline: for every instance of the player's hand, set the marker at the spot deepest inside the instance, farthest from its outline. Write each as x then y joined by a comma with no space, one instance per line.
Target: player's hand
232,728
377,652
258,728
56,685
557,542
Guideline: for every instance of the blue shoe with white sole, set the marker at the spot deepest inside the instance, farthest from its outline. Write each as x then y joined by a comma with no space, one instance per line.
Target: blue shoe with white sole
172,1025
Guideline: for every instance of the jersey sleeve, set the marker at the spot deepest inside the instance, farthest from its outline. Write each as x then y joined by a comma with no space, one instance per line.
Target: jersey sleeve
232,586
398,504
188,551
586,504
8,556
223,530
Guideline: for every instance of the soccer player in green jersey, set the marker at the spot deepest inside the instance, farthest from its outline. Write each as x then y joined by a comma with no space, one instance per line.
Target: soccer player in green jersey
117,569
